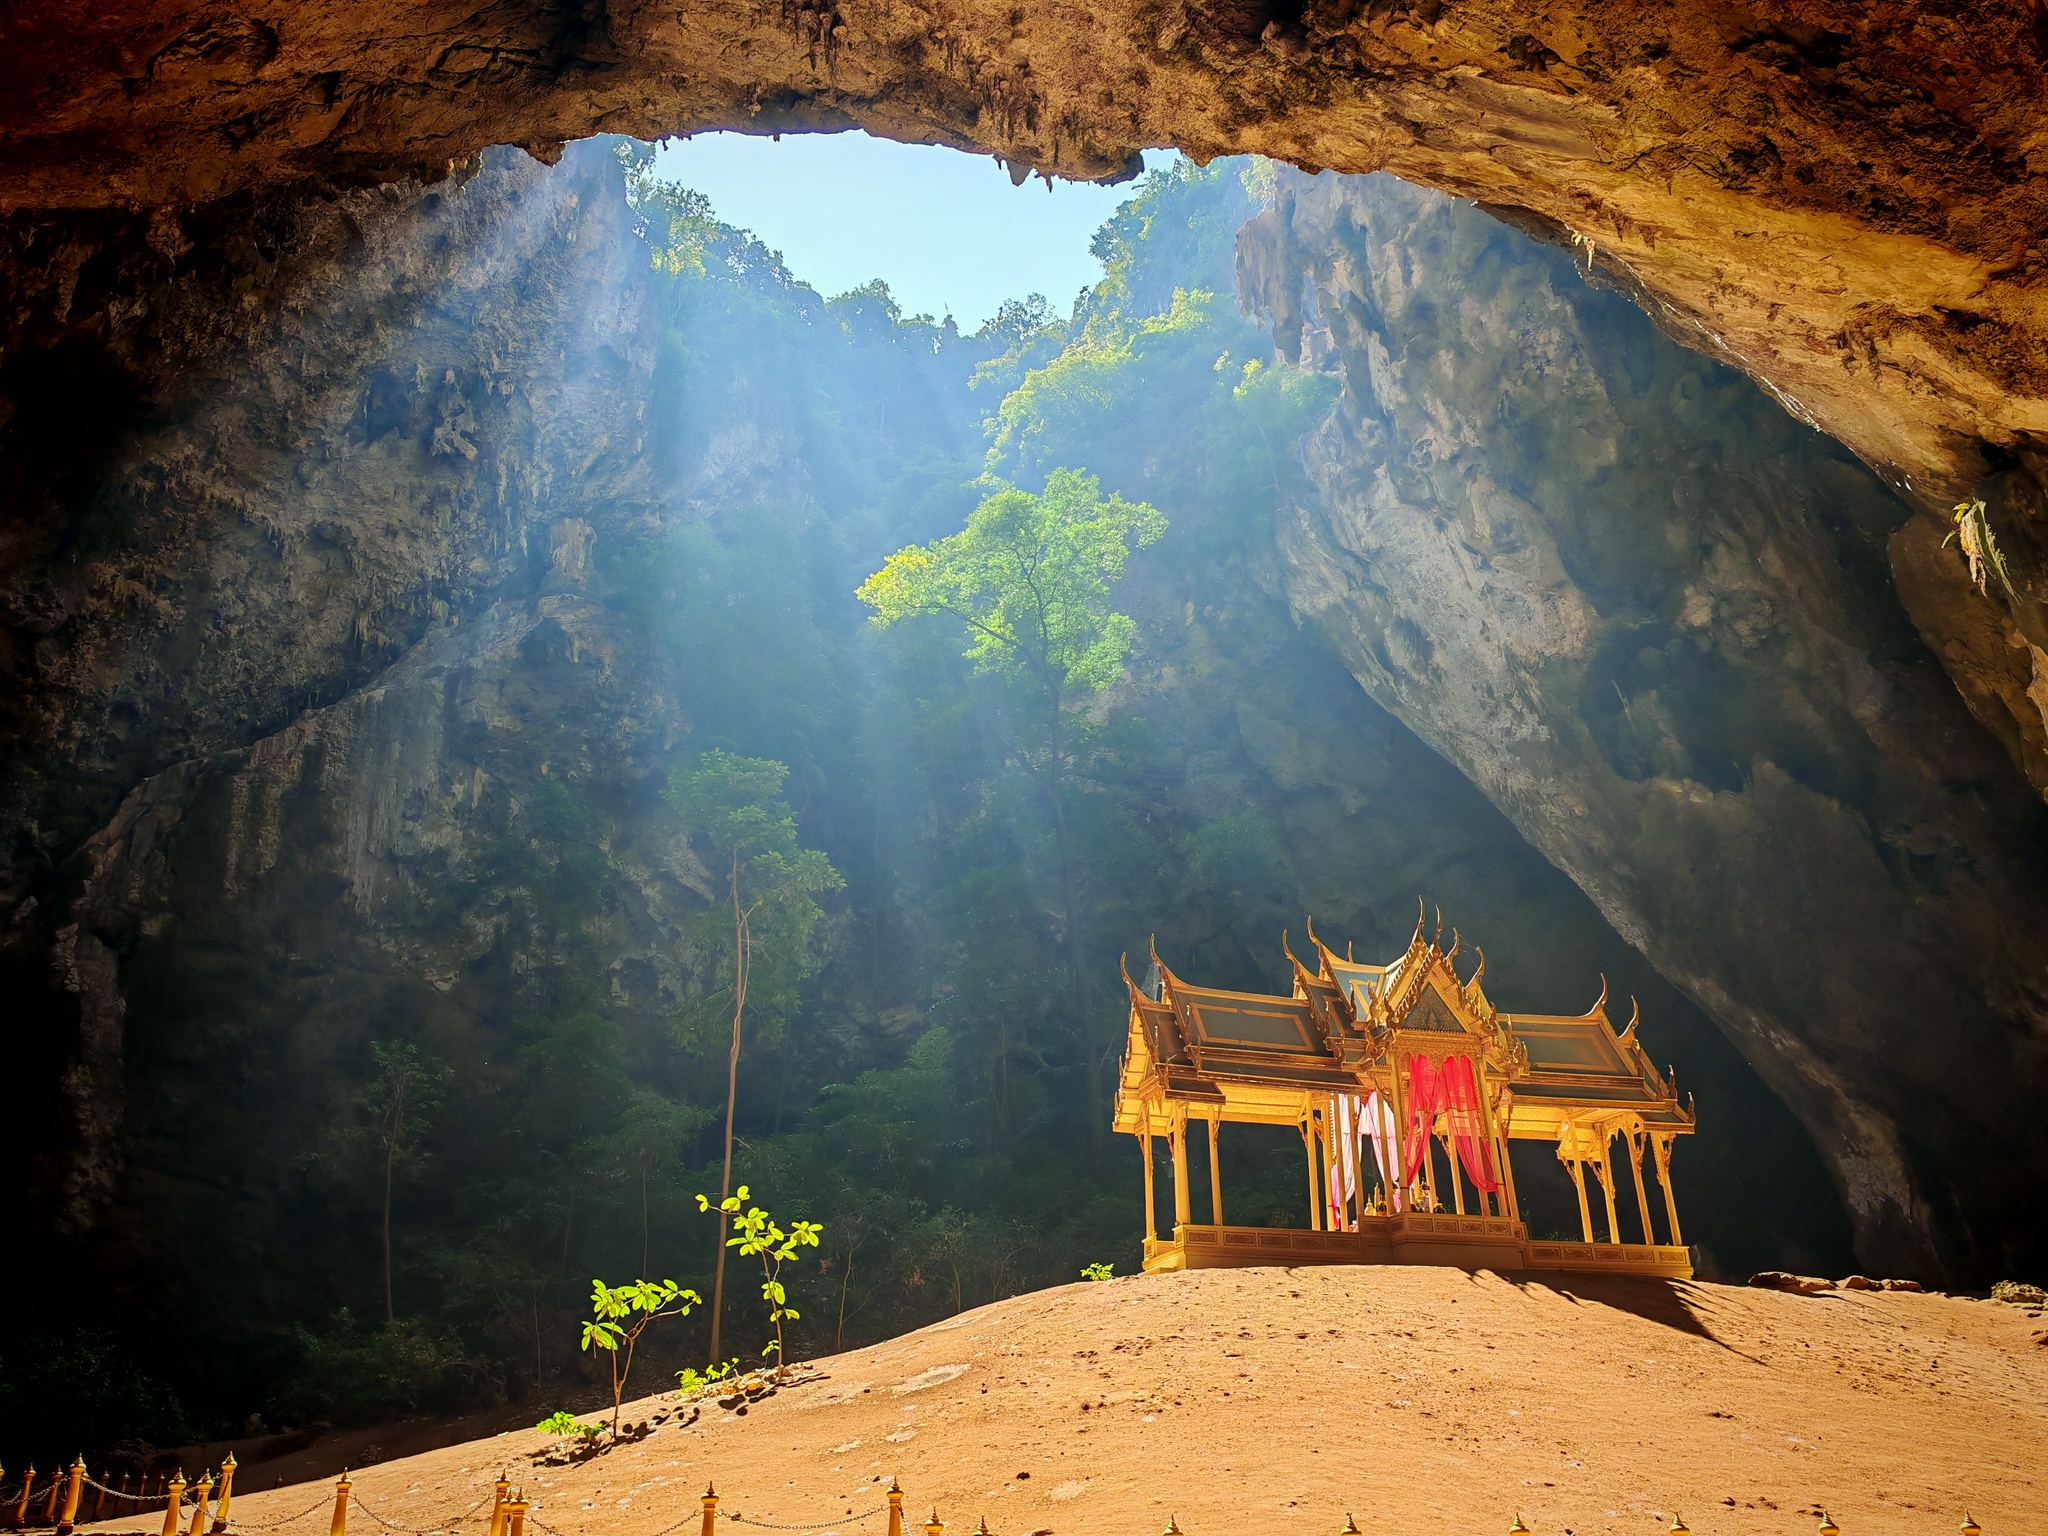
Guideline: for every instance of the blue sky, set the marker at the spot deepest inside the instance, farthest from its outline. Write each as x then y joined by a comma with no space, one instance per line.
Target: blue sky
945,230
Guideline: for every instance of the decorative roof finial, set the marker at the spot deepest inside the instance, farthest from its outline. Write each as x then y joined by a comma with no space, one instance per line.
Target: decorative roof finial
1601,1005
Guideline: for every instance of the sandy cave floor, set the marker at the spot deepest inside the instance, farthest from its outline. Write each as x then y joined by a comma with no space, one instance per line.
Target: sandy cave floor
1281,1400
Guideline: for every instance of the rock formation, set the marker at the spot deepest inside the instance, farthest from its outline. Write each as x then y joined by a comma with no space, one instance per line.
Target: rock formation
1648,614
340,719
1846,201
309,444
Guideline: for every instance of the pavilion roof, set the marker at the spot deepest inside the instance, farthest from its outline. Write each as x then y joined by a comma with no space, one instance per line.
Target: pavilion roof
1205,1044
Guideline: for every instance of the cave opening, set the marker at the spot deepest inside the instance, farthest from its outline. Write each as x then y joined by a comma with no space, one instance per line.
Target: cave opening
386,593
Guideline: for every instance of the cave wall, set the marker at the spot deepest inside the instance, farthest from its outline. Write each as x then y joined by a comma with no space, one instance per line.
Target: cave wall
1651,616
319,450
295,623
383,747
1847,201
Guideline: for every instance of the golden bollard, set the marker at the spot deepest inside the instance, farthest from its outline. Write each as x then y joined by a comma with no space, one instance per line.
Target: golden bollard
1828,1526
99,1497
1518,1529
1350,1526
895,1507
982,1529
498,1505
174,1496
1172,1527
339,1525
227,1488
518,1511
68,1520
28,1481
199,1509
1970,1527
935,1526
710,1509
50,1503
1678,1527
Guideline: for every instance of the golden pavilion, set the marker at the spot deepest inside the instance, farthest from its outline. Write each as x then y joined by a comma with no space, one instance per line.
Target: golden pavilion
1406,1085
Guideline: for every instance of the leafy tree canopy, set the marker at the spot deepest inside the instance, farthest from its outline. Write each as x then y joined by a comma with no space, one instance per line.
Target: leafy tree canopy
1029,576
735,811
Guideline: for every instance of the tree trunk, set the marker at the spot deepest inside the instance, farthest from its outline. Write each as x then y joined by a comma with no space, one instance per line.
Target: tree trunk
390,1149
845,1279
1077,970
396,1129
740,942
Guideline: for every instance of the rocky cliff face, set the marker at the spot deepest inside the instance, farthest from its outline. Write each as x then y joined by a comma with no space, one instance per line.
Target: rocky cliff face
1649,615
319,461
1846,201
342,712
332,703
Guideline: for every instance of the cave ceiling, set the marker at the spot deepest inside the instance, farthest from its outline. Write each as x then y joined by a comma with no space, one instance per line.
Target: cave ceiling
1846,200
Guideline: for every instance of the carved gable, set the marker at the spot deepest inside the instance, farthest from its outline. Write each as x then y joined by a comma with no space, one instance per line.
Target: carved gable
1432,1014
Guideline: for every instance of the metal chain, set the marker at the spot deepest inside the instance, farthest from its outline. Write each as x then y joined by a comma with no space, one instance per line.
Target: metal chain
92,1482
441,1525
815,1525
271,1525
767,1525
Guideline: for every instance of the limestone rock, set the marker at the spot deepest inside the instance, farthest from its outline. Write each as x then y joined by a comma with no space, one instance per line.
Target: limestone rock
1650,616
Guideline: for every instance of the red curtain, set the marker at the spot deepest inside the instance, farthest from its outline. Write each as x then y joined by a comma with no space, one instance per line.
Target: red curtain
1468,1125
1448,1088
1425,1087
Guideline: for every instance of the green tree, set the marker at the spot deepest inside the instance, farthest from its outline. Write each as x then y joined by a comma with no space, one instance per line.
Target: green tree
405,1088
757,1236
735,810
1030,577
621,1313
651,1135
